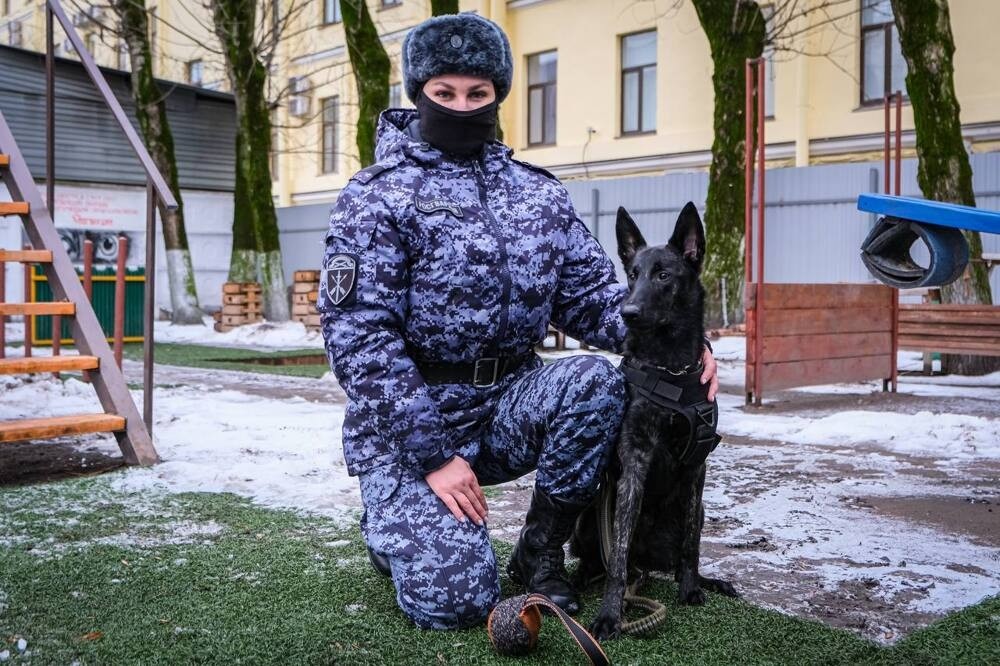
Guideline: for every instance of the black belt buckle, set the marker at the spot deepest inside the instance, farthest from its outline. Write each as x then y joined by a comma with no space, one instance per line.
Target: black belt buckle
482,370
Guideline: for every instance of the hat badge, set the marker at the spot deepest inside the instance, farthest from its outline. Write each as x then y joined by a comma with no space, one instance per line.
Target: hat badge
456,41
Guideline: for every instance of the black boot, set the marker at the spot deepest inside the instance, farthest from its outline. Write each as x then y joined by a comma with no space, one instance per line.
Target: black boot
538,559
380,563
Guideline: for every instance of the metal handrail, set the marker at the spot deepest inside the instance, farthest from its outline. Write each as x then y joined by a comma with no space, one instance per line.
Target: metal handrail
156,185
87,60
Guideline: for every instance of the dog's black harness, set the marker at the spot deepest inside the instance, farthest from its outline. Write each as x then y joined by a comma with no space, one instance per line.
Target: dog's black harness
683,395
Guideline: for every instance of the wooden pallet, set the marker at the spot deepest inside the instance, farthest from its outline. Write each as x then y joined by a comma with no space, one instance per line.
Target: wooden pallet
305,291
241,305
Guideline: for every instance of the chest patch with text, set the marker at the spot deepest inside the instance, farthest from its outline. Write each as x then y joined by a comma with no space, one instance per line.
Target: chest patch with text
432,205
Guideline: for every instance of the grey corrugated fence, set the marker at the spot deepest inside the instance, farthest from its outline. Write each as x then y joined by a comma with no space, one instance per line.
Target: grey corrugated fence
814,230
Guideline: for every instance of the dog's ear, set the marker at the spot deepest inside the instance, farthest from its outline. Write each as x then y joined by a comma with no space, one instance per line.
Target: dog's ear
689,236
630,239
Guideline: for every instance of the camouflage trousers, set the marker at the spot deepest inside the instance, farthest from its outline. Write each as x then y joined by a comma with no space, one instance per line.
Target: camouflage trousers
561,419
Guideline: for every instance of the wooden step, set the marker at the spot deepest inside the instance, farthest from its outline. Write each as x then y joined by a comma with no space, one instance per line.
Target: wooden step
4,160
20,366
55,308
59,426
13,208
27,256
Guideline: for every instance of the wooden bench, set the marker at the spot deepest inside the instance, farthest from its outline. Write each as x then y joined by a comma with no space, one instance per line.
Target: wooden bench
951,329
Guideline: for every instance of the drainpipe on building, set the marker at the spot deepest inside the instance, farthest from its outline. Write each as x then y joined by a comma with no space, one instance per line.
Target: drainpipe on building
802,111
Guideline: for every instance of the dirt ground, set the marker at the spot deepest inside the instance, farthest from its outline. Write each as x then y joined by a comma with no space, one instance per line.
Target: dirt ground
873,541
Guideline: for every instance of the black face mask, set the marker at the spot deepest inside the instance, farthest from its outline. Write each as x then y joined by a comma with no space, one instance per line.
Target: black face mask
458,133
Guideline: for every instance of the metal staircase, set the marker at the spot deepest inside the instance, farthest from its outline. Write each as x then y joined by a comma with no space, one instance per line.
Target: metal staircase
121,415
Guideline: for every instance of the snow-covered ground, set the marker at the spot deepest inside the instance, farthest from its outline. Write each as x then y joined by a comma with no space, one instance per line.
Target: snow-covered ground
807,499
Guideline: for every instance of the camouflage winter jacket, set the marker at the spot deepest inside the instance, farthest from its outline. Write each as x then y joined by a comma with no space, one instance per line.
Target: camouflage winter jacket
441,260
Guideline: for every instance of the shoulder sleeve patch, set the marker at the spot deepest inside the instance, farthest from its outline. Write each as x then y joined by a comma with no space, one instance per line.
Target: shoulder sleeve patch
370,173
537,169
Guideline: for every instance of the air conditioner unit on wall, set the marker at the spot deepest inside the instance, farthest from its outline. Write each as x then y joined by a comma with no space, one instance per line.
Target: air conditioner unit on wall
299,85
298,106
88,16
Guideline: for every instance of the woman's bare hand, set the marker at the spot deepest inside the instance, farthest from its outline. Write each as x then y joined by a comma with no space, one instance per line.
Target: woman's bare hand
457,486
710,375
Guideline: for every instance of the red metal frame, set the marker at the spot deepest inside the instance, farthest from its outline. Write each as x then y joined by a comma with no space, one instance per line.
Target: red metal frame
755,72
29,320
3,317
754,275
120,300
896,178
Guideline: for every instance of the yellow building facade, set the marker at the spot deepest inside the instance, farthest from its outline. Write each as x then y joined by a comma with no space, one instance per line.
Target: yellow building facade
601,88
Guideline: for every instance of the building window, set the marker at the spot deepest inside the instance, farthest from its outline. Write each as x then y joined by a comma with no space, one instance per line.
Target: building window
124,61
195,72
331,12
639,83
91,43
391,3
883,69
542,98
6,7
396,96
14,34
331,110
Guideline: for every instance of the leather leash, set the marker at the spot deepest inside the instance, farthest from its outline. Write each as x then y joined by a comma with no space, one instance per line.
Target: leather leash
587,643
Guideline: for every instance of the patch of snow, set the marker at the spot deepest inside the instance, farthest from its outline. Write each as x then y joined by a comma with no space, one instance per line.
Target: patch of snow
263,335
22,645
339,543
280,452
934,433
4,655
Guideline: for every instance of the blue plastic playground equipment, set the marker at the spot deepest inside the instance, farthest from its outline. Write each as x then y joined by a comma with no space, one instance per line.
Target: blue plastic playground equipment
886,250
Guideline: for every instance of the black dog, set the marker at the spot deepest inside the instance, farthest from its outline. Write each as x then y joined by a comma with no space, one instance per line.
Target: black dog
668,430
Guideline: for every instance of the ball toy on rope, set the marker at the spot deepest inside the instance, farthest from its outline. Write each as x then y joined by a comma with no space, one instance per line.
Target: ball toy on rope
513,626
514,623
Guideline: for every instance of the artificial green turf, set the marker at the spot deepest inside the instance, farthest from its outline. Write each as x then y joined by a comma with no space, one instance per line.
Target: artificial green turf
229,358
90,574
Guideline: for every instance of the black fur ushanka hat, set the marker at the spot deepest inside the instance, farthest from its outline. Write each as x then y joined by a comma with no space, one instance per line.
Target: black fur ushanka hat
457,44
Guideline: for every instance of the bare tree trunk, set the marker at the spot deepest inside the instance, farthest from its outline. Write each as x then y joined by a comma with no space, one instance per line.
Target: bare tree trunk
256,246
439,7
371,73
151,112
943,169
735,31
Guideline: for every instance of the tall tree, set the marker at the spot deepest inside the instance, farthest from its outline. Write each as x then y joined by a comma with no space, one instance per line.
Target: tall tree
943,169
132,27
735,31
256,254
371,67
439,7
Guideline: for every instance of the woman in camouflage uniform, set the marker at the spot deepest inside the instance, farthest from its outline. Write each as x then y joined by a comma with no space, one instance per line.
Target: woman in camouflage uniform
445,262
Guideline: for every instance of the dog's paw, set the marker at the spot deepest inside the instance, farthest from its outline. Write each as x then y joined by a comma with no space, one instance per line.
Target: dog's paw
692,597
720,586
605,627
726,588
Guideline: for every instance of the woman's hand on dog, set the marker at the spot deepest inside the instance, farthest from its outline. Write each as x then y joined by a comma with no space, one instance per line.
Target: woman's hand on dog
457,486
710,375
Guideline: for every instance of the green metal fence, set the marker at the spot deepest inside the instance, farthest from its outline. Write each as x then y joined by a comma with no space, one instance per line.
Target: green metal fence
103,300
